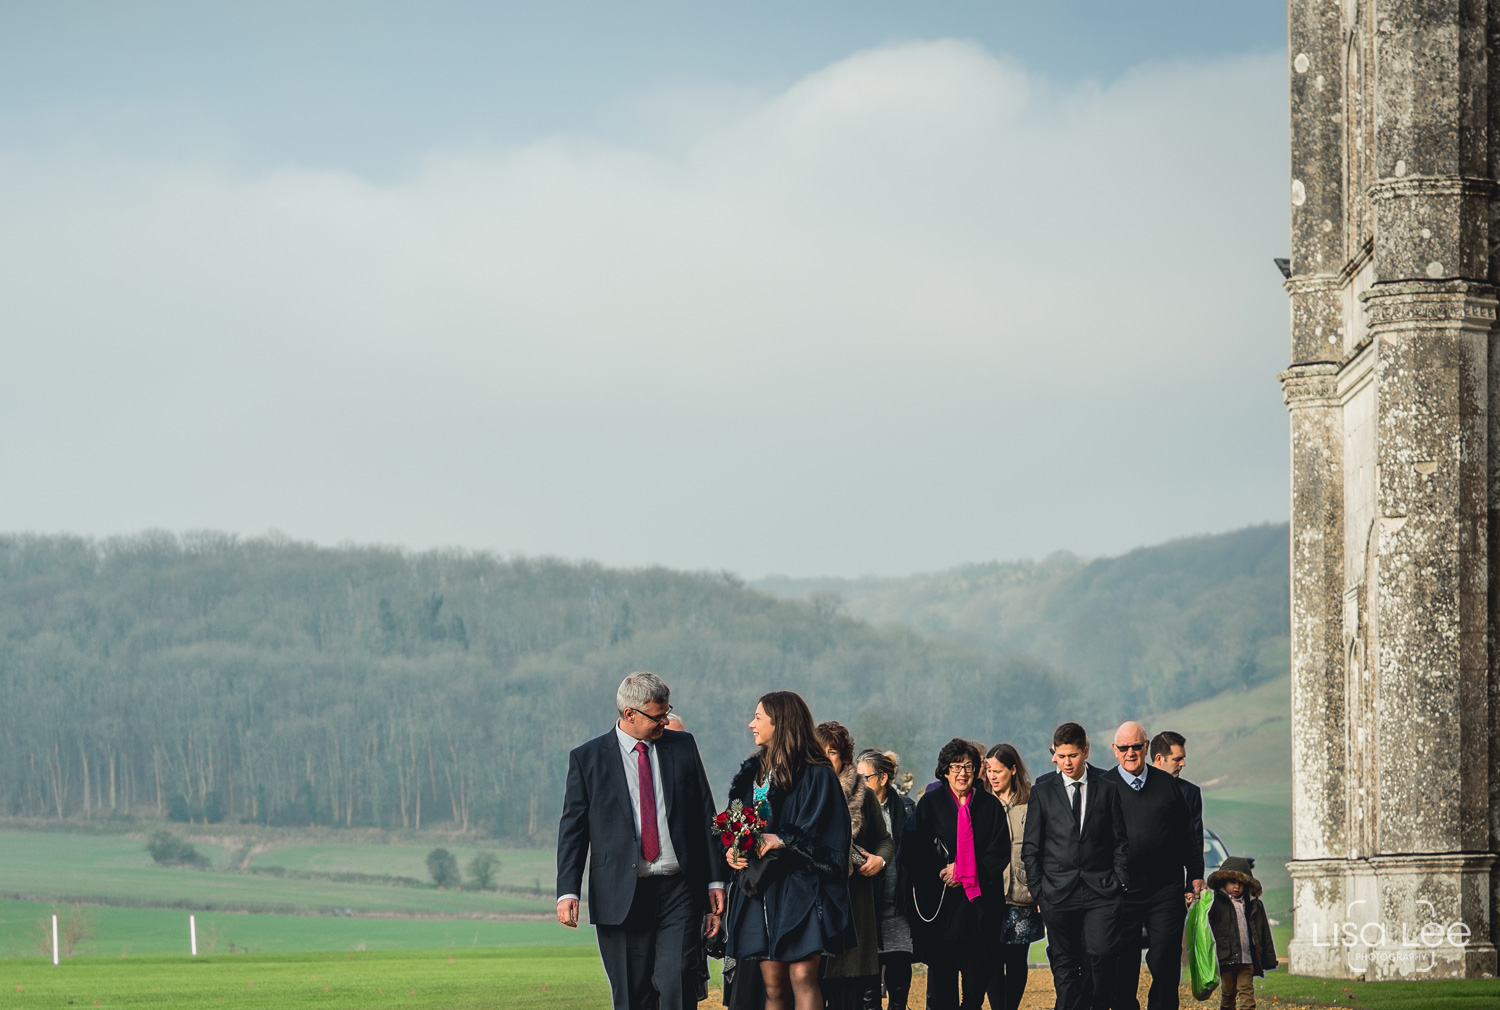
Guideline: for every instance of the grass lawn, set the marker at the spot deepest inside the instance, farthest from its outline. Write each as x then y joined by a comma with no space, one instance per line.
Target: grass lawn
520,868
56,865
451,979
1478,994
133,932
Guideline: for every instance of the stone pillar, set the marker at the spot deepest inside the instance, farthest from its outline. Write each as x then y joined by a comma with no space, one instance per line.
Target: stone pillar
1395,685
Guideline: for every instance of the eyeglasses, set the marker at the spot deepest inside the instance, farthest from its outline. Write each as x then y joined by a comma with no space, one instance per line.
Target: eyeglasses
1130,746
962,769
872,777
660,720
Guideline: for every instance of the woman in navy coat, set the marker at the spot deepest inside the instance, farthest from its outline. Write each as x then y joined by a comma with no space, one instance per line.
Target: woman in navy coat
801,911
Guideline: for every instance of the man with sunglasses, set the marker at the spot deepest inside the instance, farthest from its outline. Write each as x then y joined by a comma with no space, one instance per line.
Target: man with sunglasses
1166,861
637,810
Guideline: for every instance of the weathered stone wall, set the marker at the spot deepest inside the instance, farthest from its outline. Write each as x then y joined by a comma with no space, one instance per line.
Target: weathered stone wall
1395,450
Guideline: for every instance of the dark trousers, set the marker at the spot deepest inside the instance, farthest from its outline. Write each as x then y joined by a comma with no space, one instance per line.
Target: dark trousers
897,970
972,960
650,958
1163,914
1083,937
1008,976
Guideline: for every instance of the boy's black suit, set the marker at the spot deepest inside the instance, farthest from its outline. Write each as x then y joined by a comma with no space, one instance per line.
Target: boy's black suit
1078,874
1164,858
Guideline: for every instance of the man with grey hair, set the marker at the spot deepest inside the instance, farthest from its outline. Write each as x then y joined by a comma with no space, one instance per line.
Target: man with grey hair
637,810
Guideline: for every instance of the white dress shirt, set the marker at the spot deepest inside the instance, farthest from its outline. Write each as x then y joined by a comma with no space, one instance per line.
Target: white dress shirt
1083,794
666,861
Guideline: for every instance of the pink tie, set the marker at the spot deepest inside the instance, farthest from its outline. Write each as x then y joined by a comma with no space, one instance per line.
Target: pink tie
650,840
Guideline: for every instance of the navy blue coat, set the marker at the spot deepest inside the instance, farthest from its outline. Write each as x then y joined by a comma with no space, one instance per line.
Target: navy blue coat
807,904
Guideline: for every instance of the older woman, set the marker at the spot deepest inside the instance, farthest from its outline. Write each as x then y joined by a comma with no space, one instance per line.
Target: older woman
1011,784
851,981
956,848
878,770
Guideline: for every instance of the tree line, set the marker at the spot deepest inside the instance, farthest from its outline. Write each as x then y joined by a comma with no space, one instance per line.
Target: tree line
205,677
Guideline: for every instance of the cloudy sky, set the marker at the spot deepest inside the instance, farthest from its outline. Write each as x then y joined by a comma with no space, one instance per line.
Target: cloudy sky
874,287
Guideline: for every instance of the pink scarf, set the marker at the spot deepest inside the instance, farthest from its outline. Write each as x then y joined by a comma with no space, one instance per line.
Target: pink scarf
965,867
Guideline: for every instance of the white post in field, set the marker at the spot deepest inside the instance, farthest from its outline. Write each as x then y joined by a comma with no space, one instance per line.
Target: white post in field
55,953
193,933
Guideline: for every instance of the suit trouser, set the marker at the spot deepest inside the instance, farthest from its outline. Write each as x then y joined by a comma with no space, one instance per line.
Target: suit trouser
1083,936
1163,913
651,956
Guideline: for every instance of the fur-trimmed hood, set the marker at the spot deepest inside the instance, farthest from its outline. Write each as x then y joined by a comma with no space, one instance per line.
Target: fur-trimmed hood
1235,868
854,792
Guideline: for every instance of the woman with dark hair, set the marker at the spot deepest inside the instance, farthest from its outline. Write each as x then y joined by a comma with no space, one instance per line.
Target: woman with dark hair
957,846
1011,784
799,909
878,770
851,981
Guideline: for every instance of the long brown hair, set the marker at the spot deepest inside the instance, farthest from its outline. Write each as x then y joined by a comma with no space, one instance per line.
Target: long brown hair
795,742
1007,755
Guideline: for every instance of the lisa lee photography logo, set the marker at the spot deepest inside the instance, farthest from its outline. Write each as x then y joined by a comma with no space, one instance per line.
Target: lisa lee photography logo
1410,945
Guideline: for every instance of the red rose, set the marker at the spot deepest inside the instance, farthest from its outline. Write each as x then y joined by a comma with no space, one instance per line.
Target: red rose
727,839
721,820
747,843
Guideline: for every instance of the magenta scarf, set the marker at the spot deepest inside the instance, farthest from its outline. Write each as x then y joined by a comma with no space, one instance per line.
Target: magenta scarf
965,868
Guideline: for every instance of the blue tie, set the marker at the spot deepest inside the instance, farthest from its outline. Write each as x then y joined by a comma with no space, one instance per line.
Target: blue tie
1137,783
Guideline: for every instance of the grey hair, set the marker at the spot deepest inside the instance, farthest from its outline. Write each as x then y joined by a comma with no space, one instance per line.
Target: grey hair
640,689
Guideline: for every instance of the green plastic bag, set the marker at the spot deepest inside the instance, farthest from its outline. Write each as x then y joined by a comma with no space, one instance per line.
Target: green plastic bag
1203,960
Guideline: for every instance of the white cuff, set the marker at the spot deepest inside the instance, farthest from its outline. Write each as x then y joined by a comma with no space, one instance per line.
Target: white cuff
717,885
565,897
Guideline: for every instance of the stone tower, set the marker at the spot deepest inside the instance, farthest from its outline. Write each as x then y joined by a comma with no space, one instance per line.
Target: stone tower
1394,397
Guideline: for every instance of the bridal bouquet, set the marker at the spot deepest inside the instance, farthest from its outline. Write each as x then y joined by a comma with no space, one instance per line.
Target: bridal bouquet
739,827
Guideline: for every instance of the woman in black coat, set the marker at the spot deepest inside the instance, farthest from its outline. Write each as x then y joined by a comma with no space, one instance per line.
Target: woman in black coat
801,909
878,768
958,899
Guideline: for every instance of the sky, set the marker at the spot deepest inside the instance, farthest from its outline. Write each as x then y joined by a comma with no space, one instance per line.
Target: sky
830,289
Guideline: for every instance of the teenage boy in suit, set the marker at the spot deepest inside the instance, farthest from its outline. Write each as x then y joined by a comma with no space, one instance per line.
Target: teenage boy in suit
1076,856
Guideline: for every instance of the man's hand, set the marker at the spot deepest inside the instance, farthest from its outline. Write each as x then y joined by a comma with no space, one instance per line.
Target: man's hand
567,912
946,875
716,902
873,864
1198,887
711,924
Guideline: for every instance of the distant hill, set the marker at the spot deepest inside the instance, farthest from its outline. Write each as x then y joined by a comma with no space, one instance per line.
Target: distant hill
211,678
1150,630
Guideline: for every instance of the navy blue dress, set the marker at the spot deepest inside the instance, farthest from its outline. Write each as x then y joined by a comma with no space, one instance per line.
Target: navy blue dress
805,909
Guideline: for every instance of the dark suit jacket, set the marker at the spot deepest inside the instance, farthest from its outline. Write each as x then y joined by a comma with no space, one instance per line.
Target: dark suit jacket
1058,856
1193,797
598,824
1163,850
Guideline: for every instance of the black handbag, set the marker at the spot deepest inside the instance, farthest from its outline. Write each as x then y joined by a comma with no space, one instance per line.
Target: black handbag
756,878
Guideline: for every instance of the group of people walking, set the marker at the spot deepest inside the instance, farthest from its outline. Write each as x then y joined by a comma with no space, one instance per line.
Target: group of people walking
852,880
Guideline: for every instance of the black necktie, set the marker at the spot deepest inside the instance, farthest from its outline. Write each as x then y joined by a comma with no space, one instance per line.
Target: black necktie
1078,805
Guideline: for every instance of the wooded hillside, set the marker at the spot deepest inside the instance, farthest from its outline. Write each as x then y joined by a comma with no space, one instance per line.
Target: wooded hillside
209,677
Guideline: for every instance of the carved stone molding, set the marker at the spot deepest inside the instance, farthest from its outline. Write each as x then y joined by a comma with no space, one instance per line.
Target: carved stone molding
1423,305
1315,384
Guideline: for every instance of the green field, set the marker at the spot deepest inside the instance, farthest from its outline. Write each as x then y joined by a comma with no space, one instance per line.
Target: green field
116,869
528,869
133,932
458,979
1476,994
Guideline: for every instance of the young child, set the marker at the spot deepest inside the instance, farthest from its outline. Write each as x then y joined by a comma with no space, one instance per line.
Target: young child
1242,935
